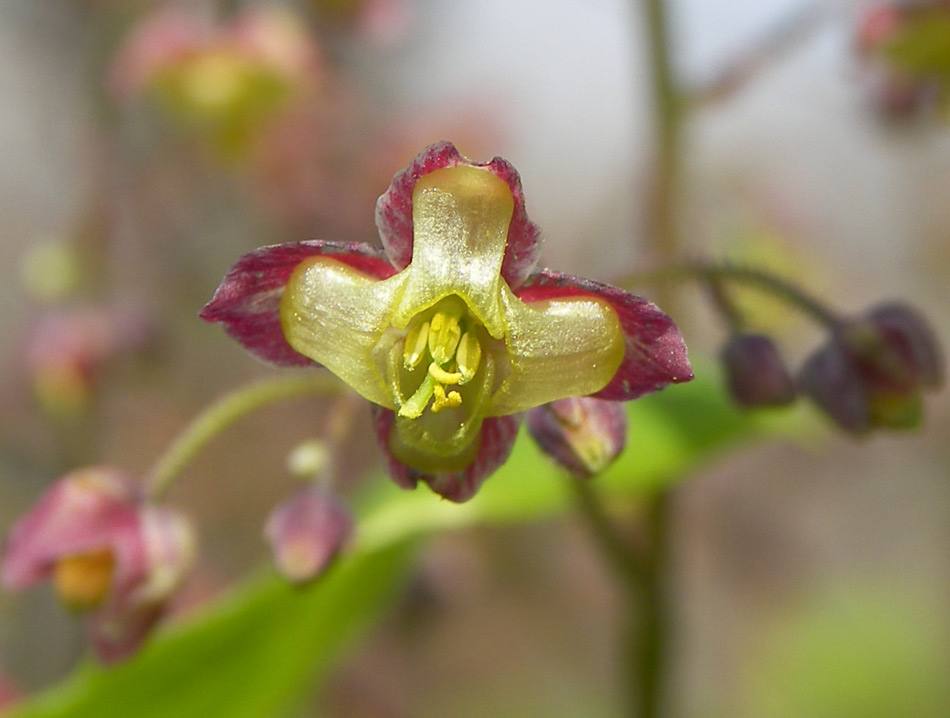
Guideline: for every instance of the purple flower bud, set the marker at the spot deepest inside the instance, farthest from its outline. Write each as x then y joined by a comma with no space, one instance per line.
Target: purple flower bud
107,553
832,382
306,532
755,373
582,434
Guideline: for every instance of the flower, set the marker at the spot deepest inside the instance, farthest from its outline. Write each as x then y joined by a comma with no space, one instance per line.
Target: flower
582,434
227,80
873,370
449,331
108,554
307,531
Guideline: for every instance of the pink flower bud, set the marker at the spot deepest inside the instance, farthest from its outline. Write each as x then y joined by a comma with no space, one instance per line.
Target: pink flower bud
582,434
108,554
755,373
306,532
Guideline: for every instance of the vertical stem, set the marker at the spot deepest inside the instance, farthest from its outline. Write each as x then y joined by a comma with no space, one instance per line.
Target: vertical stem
663,238
648,640
648,633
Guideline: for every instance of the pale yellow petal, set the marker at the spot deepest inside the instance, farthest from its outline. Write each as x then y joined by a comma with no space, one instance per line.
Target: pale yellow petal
557,348
337,316
460,219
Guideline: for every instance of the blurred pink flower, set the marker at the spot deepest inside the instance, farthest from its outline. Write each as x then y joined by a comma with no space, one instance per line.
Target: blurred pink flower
109,554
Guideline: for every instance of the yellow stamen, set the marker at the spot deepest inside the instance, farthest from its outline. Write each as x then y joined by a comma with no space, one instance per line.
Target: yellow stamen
416,403
444,331
442,400
416,342
442,376
467,356
83,580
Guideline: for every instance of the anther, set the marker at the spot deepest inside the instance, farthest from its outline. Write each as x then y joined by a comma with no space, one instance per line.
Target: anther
468,356
444,335
441,400
416,342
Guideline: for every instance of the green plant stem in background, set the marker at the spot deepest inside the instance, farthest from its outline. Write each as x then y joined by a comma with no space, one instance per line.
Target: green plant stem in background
220,415
662,235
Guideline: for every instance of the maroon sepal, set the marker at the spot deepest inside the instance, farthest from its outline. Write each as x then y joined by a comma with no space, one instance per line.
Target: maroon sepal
497,437
394,212
655,354
247,302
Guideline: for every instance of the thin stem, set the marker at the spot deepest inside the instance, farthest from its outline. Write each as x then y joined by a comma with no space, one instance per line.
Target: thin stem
617,552
761,280
220,415
668,122
648,632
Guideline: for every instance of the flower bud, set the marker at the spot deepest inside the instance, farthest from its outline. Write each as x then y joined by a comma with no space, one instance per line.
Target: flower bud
306,532
755,373
832,382
873,371
582,434
107,553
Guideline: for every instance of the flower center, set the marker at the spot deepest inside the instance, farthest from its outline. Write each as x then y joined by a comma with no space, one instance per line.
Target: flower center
82,580
447,343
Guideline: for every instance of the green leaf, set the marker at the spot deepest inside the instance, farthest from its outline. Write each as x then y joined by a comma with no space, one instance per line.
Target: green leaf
254,653
246,656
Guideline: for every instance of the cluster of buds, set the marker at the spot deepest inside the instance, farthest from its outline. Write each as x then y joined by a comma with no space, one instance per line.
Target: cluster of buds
870,373
226,80
110,555
905,47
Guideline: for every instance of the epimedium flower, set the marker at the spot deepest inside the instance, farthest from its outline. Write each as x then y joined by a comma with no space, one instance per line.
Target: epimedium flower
108,553
450,331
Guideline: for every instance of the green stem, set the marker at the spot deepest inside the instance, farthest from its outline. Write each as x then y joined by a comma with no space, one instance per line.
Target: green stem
668,118
220,415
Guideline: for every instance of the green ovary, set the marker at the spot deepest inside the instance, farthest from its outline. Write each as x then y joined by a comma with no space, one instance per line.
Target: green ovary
441,380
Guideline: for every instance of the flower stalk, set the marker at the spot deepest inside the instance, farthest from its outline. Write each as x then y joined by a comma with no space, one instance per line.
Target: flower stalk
225,412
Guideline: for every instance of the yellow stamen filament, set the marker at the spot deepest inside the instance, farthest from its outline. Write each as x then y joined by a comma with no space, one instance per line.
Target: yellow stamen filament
467,356
417,341
442,376
82,581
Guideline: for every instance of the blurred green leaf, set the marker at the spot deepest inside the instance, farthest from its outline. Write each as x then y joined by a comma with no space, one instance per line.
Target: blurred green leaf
252,654
246,656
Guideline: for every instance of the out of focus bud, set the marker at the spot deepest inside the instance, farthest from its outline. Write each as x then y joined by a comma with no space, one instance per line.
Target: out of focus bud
306,532
874,369
905,47
68,348
755,373
582,434
107,553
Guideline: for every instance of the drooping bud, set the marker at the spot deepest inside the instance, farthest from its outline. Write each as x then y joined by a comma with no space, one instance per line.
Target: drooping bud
835,386
582,434
306,532
755,373
108,554
873,370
